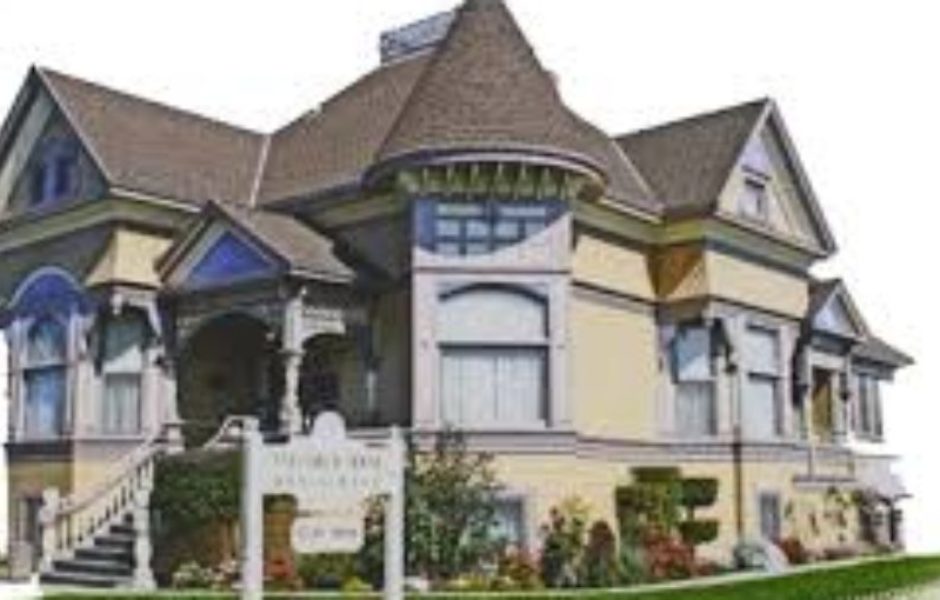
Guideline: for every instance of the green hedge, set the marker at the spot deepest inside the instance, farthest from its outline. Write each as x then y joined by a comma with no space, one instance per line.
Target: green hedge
838,583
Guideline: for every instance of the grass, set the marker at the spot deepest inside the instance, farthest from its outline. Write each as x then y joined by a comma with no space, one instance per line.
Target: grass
837,583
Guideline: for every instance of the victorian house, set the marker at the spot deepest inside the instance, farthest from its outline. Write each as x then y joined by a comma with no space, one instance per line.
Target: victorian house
442,243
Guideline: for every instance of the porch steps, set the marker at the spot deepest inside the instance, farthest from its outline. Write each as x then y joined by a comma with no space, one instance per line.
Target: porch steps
107,563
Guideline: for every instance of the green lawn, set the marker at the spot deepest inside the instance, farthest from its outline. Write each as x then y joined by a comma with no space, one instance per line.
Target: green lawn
838,583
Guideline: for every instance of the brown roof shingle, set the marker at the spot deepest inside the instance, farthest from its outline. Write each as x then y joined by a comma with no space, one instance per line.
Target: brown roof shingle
148,147
335,145
688,161
484,89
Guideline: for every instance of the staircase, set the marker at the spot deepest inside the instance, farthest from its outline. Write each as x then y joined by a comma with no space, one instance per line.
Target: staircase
107,562
100,537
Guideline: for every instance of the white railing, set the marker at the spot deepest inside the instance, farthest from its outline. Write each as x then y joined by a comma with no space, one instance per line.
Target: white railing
72,522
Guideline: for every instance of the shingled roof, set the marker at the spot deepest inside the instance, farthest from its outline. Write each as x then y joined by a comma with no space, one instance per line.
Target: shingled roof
300,249
147,147
481,89
688,161
877,350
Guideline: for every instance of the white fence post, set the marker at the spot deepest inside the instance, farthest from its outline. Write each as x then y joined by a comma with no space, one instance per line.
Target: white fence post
395,520
252,513
143,548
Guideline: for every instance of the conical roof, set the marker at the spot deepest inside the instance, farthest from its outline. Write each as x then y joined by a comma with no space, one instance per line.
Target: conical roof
485,90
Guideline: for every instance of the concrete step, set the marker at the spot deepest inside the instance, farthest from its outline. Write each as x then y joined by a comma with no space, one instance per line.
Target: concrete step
105,553
88,580
116,568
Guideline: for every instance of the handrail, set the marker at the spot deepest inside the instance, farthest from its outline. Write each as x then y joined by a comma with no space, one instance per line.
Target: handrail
127,464
74,521
220,438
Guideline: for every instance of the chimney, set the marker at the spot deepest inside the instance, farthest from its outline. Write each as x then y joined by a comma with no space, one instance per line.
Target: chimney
415,37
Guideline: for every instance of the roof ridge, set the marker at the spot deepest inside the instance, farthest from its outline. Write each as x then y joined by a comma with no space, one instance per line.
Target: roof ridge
700,116
259,170
46,71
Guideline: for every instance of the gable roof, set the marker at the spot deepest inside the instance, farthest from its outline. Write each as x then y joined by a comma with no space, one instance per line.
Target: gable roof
688,162
301,250
148,147
822,292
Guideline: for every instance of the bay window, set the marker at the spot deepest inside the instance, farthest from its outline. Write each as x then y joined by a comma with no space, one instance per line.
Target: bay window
694,382
44,377
760,401
493,358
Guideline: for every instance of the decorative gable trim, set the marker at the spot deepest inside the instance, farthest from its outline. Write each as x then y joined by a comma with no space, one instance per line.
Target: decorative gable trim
836,314
228,259
772,119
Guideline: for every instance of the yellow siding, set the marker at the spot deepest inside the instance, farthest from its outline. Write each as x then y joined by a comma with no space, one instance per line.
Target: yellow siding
613,361
739,280
812,516
611,266
130,258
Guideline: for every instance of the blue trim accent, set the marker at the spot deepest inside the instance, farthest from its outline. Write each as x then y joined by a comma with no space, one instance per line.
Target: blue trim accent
229,259
47,294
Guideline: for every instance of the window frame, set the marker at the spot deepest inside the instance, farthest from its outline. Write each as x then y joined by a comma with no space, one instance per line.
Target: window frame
474,226
755,186
492,347
775,377
709,382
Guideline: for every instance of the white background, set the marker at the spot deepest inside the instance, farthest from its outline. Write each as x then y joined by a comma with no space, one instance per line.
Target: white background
857,83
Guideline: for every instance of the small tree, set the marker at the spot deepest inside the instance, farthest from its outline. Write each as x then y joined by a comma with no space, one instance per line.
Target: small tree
599,567
698,493
450,508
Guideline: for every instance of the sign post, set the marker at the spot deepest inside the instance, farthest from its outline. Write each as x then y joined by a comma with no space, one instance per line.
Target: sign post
330,476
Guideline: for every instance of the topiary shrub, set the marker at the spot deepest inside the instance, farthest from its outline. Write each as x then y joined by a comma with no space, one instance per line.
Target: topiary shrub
563,545
698,532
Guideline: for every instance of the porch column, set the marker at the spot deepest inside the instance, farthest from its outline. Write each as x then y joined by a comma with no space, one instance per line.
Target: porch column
168,392
292,353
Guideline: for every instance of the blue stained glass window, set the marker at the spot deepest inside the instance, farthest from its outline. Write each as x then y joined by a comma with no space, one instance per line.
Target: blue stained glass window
229,259
472,227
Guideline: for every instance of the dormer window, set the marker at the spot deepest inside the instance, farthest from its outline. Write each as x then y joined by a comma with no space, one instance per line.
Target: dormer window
753,202
55,175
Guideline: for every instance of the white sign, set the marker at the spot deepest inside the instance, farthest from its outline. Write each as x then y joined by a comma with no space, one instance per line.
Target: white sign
339,534
311,470
331,476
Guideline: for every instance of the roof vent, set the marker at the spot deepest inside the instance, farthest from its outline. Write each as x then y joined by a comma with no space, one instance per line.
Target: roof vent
415,37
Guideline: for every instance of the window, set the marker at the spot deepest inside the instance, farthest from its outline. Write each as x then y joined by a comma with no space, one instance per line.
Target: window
55,175
695,384
482,227
753,202
869,407
508,526
760,403
493,358
44,378
122,368
769,507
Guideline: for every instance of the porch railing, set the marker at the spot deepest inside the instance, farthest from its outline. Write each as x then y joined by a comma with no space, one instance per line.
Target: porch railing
72,522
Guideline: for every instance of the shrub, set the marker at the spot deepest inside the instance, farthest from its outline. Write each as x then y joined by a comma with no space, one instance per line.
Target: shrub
326,571
697,532
599,566
794,550
656,475
698,492
192,575
520,568
668,557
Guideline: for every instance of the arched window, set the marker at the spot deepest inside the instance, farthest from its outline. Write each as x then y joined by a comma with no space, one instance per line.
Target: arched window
494,358
44,378
122,374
